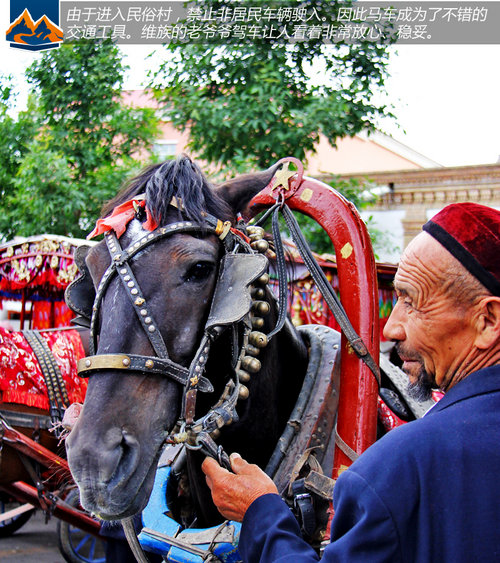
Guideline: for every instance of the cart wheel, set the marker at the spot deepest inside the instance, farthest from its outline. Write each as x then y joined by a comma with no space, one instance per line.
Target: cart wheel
76,545
8,527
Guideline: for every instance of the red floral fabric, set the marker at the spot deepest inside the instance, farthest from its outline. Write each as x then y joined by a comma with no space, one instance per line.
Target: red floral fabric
21,379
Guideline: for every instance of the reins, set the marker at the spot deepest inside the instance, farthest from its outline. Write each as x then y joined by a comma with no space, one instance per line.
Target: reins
319,278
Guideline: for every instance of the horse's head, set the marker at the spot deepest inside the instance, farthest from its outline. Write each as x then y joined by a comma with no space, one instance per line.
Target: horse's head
156,300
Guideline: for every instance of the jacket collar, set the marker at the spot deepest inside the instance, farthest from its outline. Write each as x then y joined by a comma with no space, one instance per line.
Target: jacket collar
485,380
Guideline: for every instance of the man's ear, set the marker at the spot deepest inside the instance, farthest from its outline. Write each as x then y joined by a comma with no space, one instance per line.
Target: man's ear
488,323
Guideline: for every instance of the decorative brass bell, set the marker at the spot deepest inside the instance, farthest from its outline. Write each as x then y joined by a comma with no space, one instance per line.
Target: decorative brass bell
260,245
252,350
257,322
243,376
262,308
258,293
243,392
258,339
250,364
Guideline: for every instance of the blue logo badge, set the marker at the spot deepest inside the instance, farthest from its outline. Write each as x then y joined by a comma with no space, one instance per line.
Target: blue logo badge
34,25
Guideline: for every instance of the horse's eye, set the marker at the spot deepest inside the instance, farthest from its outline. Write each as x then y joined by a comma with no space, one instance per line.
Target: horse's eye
199,272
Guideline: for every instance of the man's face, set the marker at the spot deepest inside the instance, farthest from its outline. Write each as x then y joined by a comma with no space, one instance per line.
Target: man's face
434,335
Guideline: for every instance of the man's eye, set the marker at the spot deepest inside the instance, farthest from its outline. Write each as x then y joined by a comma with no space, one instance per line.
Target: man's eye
199,272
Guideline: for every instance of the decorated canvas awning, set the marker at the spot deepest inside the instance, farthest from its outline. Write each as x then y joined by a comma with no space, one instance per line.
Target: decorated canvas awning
34,273
42,266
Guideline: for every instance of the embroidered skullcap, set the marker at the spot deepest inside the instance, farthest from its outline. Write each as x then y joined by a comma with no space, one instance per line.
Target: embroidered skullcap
471,233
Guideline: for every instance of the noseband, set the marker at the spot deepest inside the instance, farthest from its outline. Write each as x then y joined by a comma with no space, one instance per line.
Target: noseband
241,266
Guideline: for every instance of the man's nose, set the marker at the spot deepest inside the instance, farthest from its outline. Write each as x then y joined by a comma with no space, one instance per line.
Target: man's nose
394,329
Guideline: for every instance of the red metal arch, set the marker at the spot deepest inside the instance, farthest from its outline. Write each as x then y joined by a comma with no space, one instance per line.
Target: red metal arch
357,411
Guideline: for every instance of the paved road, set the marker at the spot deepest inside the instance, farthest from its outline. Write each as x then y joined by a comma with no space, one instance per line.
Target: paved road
35,542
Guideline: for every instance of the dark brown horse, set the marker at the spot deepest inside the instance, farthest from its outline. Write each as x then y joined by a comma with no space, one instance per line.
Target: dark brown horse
114,448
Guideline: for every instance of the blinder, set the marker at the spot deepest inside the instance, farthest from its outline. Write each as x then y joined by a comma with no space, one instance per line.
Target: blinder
232,301
80,293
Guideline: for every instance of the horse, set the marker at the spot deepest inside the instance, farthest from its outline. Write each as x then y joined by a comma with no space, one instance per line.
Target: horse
129,413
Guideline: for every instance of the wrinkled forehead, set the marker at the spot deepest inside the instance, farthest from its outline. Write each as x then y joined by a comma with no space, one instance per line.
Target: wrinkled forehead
425,264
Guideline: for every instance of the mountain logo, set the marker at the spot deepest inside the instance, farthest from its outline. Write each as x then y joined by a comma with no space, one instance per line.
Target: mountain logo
33,29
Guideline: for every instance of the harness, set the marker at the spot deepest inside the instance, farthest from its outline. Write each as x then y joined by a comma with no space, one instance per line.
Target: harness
232,307
243,264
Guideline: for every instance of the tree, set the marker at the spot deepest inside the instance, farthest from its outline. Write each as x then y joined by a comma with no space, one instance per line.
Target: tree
251,103
15,135
82,144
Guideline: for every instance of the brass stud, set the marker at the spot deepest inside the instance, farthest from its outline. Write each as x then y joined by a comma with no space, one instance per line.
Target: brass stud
147,320
123,271
149,364
134,291
139,301
88,363
243,393
144,312
117,257
151,328
251,364
126,362
258,339
131,284
215,434
126,278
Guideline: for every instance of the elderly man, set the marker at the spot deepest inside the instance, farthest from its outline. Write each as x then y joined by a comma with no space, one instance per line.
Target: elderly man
429,490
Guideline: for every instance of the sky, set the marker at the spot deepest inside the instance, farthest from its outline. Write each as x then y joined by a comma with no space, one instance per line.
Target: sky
446,97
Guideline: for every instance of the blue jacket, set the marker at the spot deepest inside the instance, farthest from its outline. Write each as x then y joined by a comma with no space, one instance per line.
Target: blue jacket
427,491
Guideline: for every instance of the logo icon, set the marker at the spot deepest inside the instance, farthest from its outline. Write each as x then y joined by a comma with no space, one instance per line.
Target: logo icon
34,25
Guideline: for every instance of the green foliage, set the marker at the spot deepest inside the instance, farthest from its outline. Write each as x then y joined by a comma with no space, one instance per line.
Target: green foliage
15,135
77,144
249,104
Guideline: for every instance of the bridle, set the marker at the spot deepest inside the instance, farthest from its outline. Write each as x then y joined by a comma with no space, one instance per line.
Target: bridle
241,266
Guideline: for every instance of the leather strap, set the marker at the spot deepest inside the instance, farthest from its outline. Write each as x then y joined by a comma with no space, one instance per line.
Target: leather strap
303,504
349,452
282,276
329,294
137,363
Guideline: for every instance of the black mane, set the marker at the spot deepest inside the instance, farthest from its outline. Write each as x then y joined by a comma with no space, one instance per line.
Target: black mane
181,178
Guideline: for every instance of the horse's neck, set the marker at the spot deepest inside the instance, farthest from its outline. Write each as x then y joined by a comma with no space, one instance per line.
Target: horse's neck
273,392
263,416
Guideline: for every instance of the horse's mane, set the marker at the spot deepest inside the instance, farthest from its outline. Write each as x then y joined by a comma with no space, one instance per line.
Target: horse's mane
181,178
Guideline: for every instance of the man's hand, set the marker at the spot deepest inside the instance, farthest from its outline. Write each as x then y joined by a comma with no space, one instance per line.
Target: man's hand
233,493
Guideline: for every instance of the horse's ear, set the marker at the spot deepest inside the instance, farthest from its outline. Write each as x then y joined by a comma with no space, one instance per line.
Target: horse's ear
238,192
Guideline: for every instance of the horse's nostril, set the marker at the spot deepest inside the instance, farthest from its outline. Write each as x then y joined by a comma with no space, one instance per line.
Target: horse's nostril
118,456
128,455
